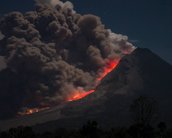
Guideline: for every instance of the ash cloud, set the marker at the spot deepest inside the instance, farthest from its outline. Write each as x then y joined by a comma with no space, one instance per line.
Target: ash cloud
52,51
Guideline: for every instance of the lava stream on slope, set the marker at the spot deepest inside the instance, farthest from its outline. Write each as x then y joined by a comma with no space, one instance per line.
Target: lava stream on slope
79,94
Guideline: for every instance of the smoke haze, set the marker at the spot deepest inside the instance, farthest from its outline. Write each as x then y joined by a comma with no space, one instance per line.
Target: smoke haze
51,52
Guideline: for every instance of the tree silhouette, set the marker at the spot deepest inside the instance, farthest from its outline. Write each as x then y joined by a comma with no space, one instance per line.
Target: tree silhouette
21,132
90,129
162,129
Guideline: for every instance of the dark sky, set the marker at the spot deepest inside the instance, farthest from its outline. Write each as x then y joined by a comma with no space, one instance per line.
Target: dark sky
148,23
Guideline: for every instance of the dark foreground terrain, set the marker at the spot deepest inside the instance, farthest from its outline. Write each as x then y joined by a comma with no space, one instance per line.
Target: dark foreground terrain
92,130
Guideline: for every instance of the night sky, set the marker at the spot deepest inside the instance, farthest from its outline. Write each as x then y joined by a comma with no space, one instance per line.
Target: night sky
147,23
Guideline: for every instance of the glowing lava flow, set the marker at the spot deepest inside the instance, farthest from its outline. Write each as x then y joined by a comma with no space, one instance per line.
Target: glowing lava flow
79,95
29,111
76,95
108,68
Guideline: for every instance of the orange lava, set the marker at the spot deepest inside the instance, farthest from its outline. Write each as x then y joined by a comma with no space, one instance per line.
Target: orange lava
108,68
29,111
79,95
76,95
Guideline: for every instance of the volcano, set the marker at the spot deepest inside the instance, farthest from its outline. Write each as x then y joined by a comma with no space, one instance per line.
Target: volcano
140,73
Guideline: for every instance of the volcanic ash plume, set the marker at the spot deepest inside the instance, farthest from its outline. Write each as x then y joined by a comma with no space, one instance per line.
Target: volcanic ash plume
53,53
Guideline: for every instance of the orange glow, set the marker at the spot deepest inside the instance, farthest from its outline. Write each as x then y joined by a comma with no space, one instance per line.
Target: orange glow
108,68
79,94
29,111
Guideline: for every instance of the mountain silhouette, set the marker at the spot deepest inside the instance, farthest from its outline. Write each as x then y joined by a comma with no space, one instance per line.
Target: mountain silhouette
141,73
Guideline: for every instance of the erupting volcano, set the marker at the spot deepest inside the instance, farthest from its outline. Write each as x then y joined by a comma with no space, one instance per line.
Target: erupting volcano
60,68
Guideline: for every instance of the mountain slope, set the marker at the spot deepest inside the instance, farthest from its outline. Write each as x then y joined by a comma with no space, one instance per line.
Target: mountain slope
140,73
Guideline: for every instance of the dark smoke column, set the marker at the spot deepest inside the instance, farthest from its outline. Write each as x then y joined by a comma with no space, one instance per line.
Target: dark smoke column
52,52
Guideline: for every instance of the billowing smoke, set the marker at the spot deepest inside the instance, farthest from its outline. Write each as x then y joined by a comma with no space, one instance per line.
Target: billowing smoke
53,51
54,2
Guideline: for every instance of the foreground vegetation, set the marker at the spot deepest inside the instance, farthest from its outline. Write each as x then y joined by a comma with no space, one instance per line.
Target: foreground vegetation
92,130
